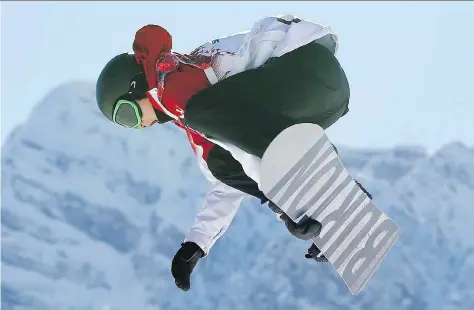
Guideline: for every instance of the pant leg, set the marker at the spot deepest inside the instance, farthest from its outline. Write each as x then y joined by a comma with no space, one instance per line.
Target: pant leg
251,108
229,171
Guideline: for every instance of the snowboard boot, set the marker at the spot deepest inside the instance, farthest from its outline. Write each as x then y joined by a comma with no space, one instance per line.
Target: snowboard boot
313,253
306,229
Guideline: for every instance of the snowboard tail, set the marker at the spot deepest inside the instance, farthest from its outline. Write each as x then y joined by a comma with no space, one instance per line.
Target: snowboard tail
303,175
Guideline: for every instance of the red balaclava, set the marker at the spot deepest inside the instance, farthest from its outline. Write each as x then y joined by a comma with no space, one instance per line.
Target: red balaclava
150,44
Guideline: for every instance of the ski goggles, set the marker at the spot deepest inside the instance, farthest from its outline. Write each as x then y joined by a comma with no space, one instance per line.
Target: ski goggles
127,113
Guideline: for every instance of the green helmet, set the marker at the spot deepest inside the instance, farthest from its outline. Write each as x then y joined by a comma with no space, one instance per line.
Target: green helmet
114,81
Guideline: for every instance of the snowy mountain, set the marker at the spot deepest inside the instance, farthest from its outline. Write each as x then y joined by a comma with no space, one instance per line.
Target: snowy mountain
92,215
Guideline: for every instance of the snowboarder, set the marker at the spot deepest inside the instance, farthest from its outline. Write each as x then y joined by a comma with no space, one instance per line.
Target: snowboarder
232,96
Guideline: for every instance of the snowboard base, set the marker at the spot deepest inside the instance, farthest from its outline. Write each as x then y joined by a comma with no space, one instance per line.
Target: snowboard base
303,175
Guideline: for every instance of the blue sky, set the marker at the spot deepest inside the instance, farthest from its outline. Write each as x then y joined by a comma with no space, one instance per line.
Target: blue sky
410,64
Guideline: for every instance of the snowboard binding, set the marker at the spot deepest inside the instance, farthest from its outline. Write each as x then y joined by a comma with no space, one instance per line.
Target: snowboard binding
313,253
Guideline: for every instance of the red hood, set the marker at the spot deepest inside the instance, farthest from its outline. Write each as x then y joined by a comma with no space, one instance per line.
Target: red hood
151,42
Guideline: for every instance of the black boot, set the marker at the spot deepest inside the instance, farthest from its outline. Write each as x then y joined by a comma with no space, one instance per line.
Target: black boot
313,253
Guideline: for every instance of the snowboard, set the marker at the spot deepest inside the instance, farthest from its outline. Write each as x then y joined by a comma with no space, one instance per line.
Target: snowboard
301,173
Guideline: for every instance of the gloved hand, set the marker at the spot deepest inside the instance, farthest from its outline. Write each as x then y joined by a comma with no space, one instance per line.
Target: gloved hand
184,262
306,229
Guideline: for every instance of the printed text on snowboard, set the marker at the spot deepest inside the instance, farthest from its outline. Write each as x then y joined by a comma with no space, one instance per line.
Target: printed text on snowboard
356,235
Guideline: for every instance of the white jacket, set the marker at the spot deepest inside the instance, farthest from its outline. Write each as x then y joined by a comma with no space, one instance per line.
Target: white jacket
269,37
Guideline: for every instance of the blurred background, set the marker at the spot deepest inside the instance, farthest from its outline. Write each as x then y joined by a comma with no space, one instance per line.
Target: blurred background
92,214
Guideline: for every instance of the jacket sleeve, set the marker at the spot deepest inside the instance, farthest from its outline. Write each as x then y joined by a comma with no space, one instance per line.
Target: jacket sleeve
219,207
222,201
268,37
276,36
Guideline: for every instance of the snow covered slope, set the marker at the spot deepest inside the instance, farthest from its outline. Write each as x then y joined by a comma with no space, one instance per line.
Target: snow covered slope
92,215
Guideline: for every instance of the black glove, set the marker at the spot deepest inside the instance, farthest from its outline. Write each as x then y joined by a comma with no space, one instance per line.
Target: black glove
313,252
184,262
306,229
